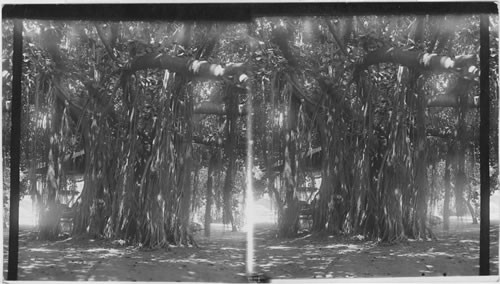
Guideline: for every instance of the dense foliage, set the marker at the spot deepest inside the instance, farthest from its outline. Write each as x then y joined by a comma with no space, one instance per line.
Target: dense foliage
378,114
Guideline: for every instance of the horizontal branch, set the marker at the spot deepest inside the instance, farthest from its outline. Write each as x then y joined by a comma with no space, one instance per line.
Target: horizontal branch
423,61
189,67
449,100
215,108
447,134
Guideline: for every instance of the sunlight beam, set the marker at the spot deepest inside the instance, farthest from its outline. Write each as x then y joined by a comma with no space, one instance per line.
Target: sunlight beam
249,208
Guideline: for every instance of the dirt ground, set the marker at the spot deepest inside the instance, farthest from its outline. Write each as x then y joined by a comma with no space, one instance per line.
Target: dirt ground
222,257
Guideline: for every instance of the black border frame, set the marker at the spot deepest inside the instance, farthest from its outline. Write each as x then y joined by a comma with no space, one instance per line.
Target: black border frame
242,12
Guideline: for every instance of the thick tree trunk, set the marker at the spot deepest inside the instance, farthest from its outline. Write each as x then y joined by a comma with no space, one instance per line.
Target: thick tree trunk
320,208
209,194
228,196
91,216
195,185
288,224
417,194
126,227
34,192
447,192
368,201
186,190
461,179
270,175
185,161
420,142
232,102
94,210
49,213
421,186
331,213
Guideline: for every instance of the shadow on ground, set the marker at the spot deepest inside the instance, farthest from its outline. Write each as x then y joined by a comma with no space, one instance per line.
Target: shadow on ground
218,259
455,253
221,258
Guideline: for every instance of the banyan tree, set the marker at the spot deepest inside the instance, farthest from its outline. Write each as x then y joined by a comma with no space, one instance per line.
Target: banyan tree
353,107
